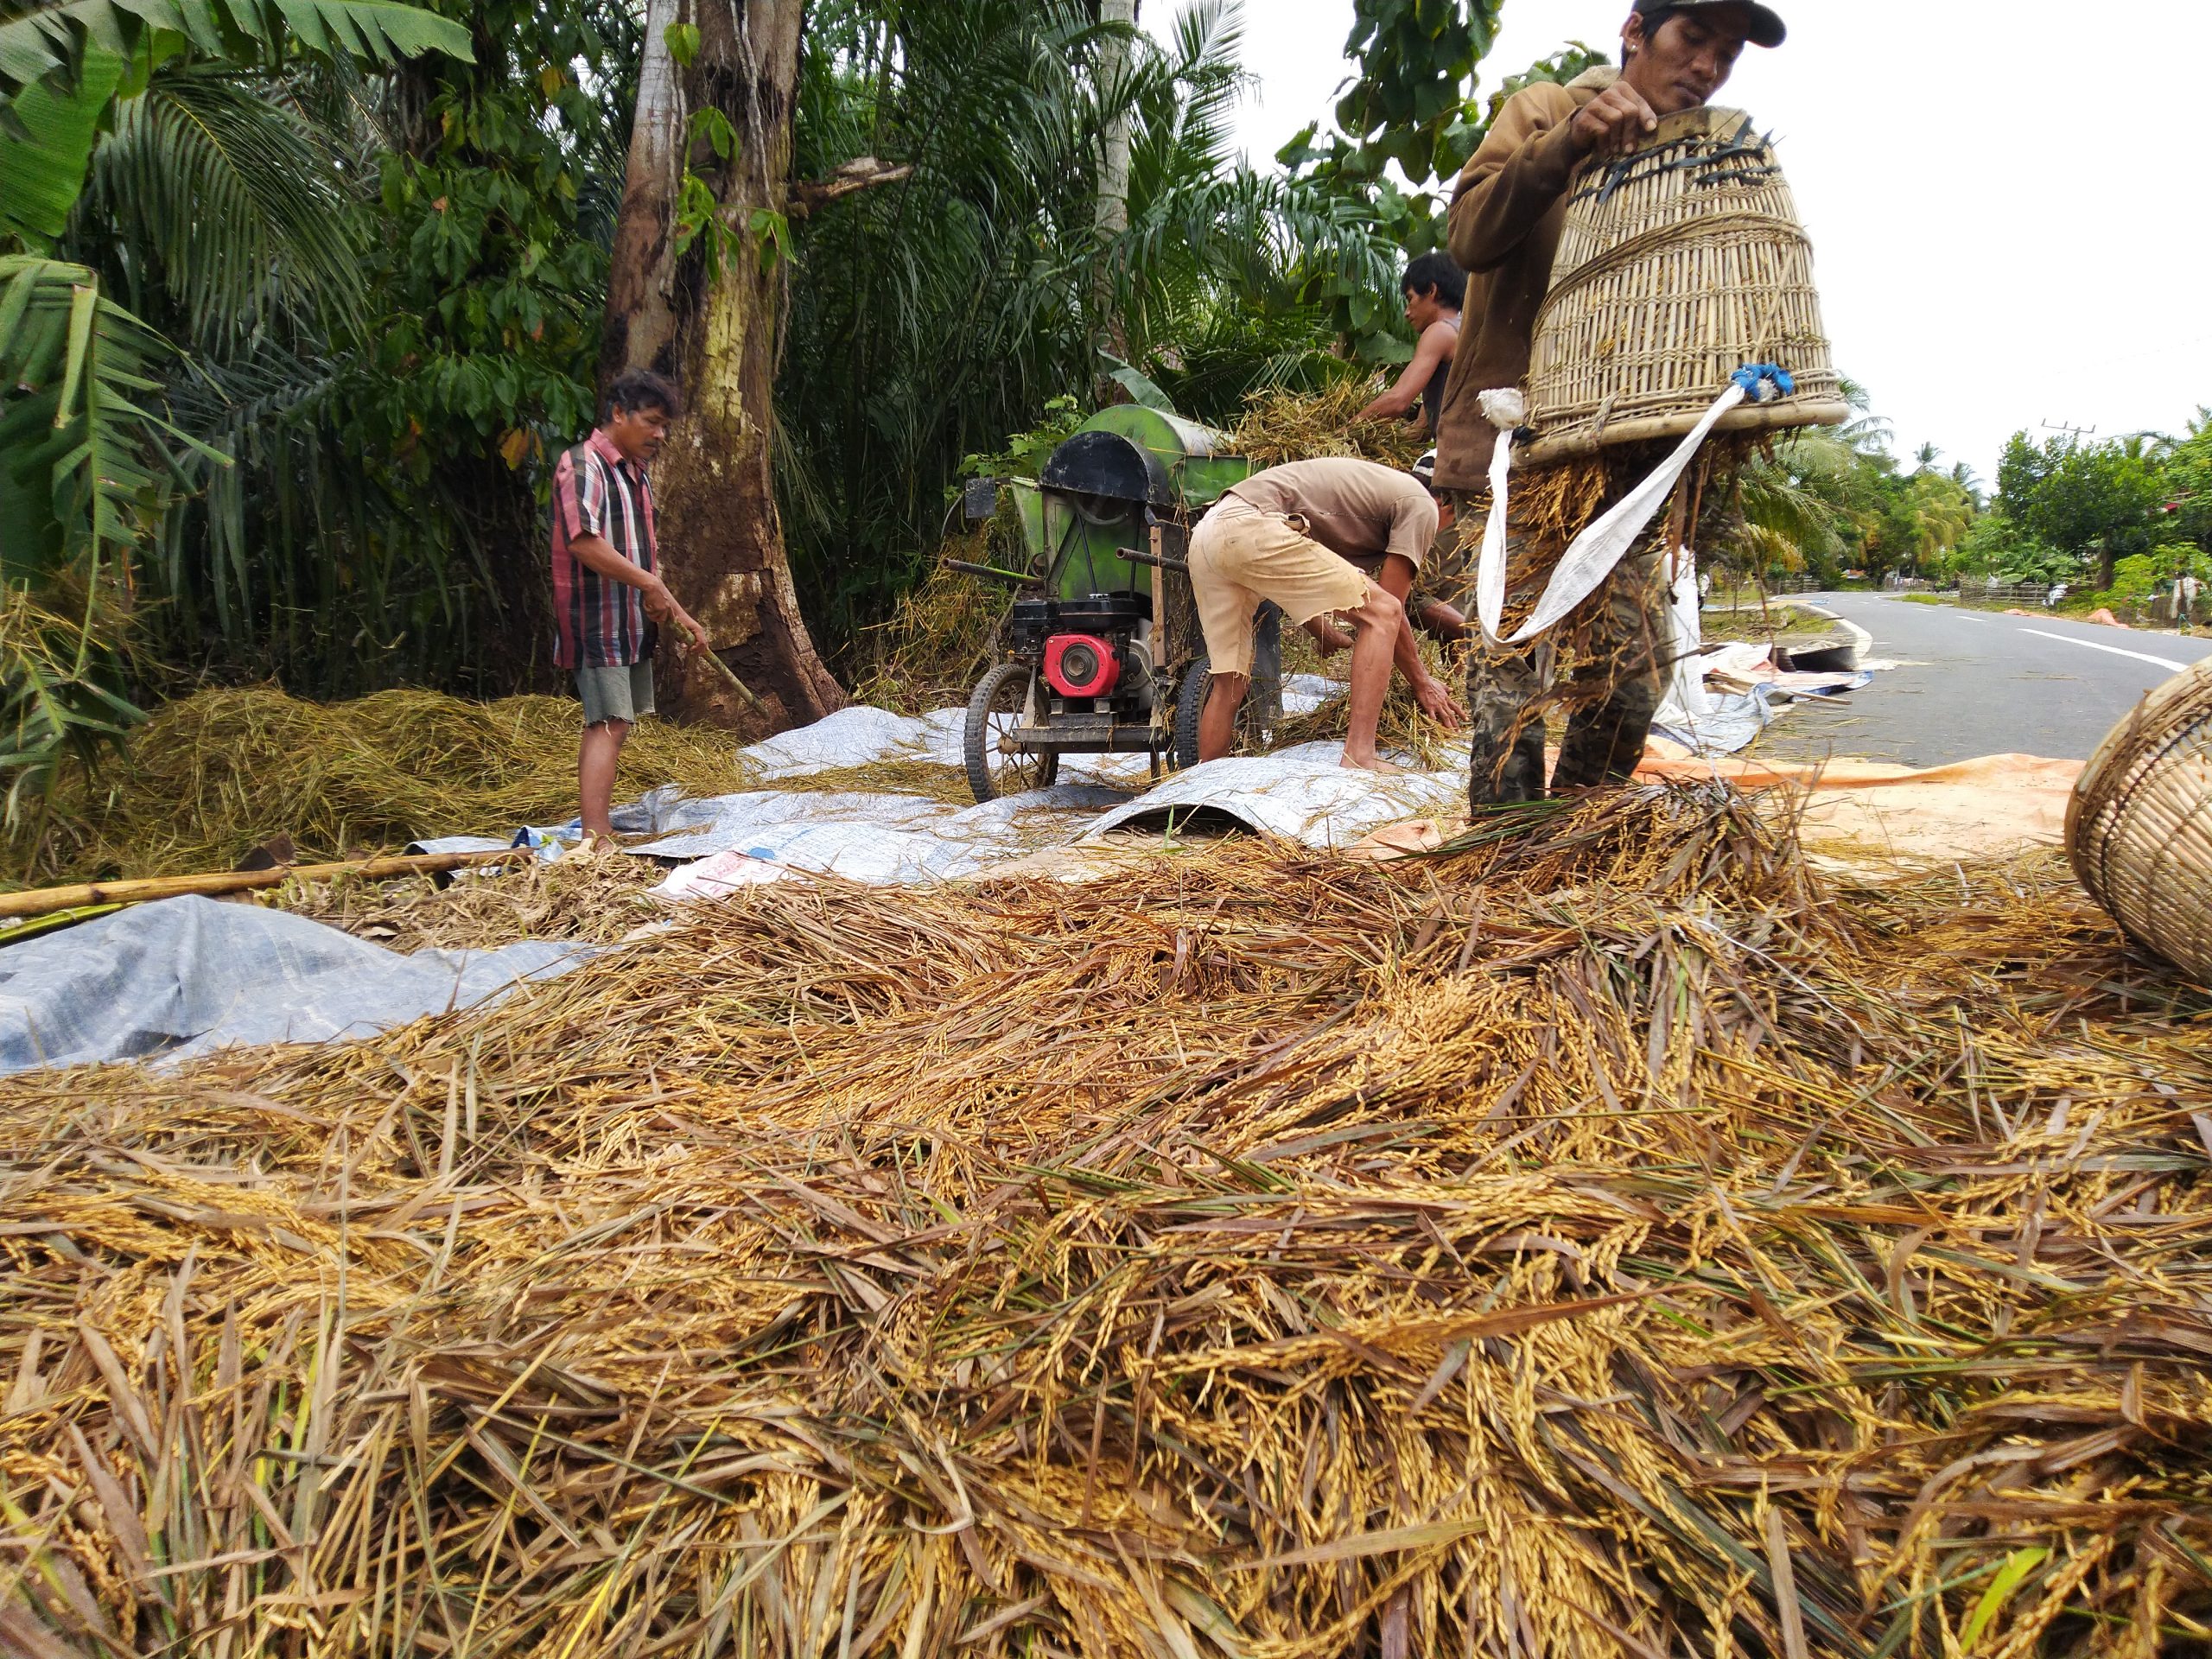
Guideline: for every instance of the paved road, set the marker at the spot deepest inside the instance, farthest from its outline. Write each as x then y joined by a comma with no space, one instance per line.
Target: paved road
1973,682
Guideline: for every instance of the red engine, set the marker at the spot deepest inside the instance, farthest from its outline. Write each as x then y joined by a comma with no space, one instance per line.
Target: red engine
1082,665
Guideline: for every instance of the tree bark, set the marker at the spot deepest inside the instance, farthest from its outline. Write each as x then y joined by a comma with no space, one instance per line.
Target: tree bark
721,541
1113,203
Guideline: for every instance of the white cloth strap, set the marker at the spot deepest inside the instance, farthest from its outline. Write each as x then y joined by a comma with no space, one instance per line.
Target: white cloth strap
1594,553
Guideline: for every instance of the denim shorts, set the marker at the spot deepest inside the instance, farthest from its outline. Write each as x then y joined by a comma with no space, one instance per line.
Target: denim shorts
622,691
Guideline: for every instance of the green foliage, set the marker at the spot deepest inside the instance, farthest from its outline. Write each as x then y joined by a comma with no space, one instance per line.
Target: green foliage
1407,104
1026,452
1997,548
47,40
2186,511
698,210
42,162
422,348
2089,501
1827,499
2133,579
88,465
57,696
931,316
219,206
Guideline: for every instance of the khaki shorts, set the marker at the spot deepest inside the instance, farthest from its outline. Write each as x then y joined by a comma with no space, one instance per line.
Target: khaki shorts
621,692
1240,556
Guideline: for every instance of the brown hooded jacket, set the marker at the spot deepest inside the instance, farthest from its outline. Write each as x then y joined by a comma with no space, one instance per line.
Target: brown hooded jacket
1507,212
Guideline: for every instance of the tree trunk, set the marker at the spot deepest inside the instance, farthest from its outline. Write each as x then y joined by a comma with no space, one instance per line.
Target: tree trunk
721,542
1113,204
1114,151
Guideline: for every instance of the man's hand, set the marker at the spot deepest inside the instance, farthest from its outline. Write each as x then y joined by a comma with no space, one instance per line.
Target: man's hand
684,619
1439,704
1615,121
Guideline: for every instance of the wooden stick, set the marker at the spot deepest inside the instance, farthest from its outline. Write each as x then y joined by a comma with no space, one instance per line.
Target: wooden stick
730,674
45,900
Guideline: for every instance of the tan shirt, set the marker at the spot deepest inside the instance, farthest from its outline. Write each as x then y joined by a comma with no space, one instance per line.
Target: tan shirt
1359,510
1507,212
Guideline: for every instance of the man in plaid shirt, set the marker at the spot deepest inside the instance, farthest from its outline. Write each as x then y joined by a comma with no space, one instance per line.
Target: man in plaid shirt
607,594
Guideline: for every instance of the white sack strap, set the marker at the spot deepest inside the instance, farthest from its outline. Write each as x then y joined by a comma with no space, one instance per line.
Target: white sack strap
1595,552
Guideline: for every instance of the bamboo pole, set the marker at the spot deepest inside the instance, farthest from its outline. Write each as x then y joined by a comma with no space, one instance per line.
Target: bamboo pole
44,901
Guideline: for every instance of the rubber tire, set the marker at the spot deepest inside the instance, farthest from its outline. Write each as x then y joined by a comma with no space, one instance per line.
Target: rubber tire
1188,702
975,738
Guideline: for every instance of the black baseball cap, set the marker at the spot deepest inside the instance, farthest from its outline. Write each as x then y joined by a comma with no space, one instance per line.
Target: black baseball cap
1767,28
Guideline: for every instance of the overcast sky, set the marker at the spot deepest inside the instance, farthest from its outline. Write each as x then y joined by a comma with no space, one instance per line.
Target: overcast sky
2008,202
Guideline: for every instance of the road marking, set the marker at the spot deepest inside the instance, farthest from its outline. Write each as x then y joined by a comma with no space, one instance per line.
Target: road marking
2091,645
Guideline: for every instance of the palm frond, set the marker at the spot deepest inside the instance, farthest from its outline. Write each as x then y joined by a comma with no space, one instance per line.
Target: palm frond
89,466
229,200
50,38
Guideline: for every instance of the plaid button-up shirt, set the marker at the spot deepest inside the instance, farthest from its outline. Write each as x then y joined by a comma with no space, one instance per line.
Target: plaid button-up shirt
601,623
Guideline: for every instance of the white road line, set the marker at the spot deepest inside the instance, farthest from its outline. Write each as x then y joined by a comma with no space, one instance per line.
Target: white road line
2091,645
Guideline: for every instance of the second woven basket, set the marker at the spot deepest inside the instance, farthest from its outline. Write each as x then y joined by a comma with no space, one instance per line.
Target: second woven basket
2139,829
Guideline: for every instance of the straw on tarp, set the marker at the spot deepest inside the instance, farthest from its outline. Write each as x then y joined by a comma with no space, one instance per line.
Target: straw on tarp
1610,1234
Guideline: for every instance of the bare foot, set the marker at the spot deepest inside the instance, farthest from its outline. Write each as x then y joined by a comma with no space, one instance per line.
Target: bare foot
1374,763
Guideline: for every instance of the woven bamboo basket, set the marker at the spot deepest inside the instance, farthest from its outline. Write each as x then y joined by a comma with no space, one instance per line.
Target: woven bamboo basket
2139,828
1678,265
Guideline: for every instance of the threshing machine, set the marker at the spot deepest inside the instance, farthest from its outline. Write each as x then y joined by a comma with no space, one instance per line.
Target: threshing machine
1101,653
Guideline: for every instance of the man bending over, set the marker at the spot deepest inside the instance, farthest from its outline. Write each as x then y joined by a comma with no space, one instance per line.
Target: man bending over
608,595
1291,534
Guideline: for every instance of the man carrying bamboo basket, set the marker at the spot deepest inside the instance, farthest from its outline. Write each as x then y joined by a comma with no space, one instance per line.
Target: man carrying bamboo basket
1506,217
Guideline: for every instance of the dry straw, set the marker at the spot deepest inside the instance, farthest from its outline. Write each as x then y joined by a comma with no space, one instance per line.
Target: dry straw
1607,1237
1281,426
210,775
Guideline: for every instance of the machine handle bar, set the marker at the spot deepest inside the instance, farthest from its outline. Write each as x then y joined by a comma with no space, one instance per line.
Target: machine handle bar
1013,577
1158,561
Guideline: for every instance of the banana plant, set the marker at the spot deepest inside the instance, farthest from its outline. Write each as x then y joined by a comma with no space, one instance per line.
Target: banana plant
90,462
41,40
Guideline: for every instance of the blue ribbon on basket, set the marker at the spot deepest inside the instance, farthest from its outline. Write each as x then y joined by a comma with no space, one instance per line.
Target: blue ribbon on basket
1764,381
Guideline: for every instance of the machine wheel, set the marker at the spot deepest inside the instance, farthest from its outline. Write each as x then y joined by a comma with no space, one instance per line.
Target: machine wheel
1188,702
995,766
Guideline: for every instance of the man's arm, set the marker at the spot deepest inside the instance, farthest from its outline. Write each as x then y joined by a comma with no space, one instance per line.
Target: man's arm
597,554
1431,354
1524,165
1397,578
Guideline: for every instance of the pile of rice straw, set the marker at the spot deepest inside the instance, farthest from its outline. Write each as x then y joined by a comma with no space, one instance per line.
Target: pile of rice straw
212,775
941,640
1281,426
1607,1237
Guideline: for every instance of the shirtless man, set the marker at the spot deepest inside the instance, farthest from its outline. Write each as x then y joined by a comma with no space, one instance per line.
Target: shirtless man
1434,289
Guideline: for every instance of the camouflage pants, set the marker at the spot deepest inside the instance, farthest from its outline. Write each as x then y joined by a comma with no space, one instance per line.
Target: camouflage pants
1620,674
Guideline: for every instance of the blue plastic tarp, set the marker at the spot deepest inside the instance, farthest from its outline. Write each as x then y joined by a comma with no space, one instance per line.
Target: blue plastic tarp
185,976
